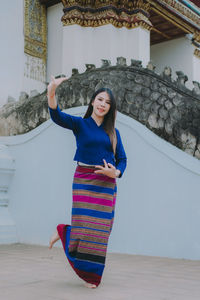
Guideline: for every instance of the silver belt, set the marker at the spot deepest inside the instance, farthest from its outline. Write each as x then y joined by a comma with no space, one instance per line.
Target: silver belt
85,165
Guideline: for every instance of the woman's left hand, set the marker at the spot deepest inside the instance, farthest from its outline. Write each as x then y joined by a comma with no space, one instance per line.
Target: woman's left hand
108,169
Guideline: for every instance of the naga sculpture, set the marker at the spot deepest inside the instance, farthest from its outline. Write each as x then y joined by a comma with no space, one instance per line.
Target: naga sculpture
162,104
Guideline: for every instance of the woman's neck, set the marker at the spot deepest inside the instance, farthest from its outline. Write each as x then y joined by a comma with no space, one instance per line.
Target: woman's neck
98,120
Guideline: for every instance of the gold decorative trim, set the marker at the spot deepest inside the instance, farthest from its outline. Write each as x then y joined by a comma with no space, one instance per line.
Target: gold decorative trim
128,13
97,4
197,53
184,10
196,36
35,29
174,19
171,18
103,18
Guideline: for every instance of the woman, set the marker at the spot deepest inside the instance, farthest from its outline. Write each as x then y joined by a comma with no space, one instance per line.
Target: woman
101,159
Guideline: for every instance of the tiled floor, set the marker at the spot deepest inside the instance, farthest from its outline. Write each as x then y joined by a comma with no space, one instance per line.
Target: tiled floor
30,272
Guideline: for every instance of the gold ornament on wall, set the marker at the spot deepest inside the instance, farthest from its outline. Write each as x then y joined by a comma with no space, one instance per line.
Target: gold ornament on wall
196,36
197,52
35,29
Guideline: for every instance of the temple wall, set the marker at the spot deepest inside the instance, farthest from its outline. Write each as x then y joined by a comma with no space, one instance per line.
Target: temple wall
89,45
19,71
196,64
177,54
54,40
11,58
74,46
158,207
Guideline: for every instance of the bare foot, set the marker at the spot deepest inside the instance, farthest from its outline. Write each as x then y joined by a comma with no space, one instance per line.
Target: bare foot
55,237
90,285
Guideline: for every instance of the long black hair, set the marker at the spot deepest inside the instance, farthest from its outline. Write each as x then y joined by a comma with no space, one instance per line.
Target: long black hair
109,118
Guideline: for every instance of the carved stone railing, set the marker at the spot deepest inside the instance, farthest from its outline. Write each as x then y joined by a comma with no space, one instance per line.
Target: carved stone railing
164,105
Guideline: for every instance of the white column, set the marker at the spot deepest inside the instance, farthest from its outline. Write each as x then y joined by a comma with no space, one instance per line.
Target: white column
83,45
8,232
196,65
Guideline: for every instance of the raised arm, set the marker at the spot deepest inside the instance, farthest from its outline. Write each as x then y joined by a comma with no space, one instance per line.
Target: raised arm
51,89
59,117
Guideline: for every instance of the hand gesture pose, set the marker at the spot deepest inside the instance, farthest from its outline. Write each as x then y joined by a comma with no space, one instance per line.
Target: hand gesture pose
108,169
53,84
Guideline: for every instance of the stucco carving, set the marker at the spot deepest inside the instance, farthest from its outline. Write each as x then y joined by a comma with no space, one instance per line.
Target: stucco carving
35,68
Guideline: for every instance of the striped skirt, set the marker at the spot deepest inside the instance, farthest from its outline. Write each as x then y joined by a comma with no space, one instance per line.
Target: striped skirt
85,240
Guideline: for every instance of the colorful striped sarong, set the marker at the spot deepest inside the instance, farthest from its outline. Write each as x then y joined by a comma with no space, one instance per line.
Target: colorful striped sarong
85,240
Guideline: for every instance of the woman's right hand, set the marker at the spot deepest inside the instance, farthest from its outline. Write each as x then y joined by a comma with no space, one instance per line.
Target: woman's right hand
51,89
53,84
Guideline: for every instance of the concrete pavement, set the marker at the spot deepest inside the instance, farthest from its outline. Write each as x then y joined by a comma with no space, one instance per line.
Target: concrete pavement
37,273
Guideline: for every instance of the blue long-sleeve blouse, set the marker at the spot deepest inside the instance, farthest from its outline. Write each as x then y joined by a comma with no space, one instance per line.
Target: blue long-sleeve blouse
93,143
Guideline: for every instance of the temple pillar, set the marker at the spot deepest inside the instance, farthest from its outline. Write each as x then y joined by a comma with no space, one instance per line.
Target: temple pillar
89,45
104,31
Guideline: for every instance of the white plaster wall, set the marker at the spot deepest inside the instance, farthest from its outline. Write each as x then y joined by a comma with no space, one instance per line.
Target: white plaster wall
11,50
196,64
158,206
86,45
15,75
54,40
177,54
